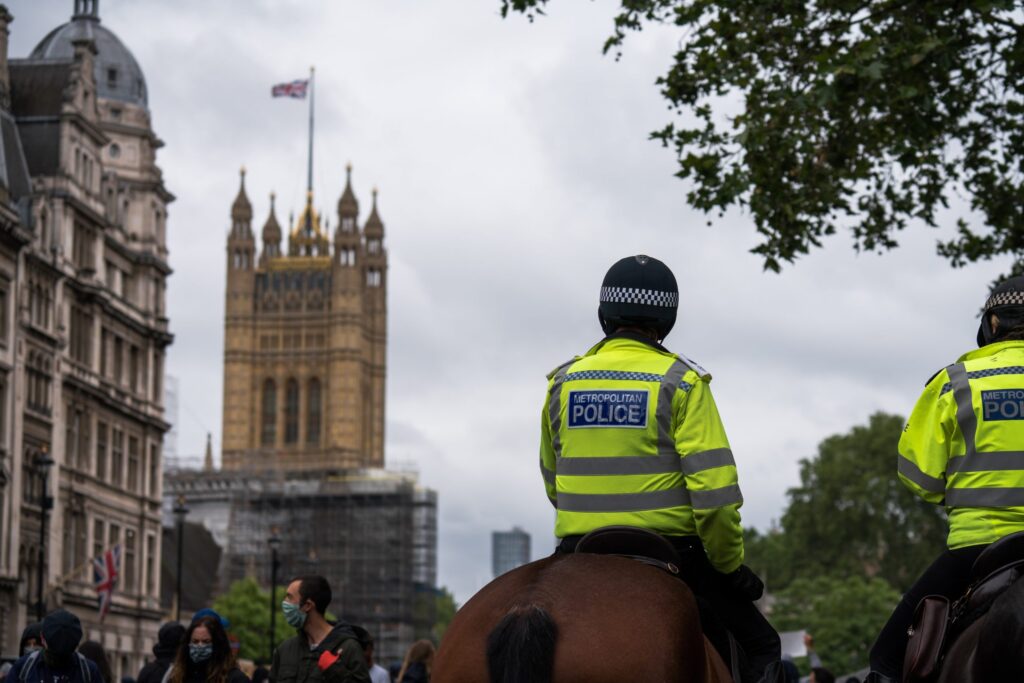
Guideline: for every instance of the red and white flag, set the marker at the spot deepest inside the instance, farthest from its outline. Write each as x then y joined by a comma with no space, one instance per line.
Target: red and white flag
105,572
294,89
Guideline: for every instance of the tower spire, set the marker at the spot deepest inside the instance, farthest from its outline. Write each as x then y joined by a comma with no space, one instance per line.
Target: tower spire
271,235
241,209
208,459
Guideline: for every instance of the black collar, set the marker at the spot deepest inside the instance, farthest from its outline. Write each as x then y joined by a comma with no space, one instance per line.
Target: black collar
634,336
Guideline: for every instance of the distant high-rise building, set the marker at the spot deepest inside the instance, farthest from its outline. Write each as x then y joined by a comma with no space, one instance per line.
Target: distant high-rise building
509,549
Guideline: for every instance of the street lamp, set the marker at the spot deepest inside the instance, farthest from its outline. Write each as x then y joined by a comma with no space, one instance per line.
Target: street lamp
43,463
274,542
180,511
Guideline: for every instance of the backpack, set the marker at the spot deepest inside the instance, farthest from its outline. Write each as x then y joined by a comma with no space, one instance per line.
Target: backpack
33,659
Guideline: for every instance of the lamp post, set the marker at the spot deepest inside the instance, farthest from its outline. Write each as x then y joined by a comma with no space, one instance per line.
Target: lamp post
180,511
274,542
43,463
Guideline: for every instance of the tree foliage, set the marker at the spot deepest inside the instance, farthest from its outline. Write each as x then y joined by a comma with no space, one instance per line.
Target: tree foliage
247,607
444,613
859,113
845,616
851,516
771,558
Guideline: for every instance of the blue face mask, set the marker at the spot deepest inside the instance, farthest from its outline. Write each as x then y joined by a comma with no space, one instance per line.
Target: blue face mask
295,617
200,653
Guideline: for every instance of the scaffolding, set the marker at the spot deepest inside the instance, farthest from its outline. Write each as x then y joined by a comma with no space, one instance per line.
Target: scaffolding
371,532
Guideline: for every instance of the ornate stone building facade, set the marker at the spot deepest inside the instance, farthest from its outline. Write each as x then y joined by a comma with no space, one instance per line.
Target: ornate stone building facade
304,341
83,334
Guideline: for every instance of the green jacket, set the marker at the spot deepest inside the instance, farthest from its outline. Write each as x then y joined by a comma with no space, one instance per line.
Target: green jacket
630,435
963,446
295,662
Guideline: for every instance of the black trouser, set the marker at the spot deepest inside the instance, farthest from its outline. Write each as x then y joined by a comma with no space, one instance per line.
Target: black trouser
948,575
719,602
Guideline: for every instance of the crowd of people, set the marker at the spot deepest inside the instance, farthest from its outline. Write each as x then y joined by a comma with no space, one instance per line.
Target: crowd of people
321,651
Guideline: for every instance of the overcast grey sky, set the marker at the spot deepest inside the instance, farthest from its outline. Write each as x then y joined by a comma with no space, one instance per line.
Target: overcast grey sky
514,168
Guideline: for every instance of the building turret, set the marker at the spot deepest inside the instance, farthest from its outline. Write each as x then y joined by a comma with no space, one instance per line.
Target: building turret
375,267
373,233
239,302
241,244
346,235
271,236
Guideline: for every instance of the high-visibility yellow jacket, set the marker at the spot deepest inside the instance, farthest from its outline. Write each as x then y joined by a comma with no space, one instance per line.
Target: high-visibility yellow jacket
631,436
963,446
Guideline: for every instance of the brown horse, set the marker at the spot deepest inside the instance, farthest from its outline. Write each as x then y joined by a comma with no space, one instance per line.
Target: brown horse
579,618
990,649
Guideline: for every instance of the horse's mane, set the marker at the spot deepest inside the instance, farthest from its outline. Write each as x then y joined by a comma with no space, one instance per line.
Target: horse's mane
999,656
521,648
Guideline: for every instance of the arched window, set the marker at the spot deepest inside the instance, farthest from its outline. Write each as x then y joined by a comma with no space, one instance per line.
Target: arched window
291,412
269,432
313,411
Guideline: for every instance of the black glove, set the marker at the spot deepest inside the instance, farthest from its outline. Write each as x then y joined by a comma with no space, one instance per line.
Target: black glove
746,583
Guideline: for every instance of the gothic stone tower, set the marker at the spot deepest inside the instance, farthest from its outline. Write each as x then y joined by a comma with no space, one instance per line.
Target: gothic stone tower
304,341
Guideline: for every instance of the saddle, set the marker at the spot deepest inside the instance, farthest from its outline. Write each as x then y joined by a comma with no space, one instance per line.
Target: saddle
649,548
637,544
937,623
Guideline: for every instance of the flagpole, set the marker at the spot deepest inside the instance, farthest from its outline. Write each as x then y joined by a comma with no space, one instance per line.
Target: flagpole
309,170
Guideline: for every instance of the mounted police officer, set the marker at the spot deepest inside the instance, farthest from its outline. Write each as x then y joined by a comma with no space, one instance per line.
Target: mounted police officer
631,436
963,447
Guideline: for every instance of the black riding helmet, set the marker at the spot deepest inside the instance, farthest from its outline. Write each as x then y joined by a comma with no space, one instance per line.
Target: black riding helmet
639,291
1007,302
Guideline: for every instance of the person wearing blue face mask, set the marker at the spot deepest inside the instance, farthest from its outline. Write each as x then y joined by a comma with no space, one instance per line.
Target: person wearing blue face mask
321,652
204,656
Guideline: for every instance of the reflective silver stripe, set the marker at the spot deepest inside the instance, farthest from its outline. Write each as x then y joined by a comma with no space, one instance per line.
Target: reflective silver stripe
716,498
555,409
622,502
553,501
912,472
706,460
987,462
619,465
986,498
549,476
663,413
965,415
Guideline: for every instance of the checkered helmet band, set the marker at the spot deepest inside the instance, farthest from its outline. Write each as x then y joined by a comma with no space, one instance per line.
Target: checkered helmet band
644,297
1015,298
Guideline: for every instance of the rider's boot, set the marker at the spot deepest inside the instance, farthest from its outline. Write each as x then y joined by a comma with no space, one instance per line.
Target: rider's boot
773,673
875,677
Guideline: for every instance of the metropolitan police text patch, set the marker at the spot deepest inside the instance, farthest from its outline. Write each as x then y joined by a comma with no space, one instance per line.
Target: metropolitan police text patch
1003,404
608,409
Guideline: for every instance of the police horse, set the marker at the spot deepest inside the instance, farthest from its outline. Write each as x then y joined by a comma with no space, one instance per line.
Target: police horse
979,638
580,618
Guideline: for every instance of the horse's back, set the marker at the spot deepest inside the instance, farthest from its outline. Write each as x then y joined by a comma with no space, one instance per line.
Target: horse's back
616,620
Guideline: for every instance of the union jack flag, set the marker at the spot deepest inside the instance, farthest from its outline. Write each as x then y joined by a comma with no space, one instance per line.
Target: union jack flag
293,89
105,572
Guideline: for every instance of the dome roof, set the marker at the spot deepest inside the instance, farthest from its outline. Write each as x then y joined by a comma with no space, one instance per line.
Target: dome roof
118,76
